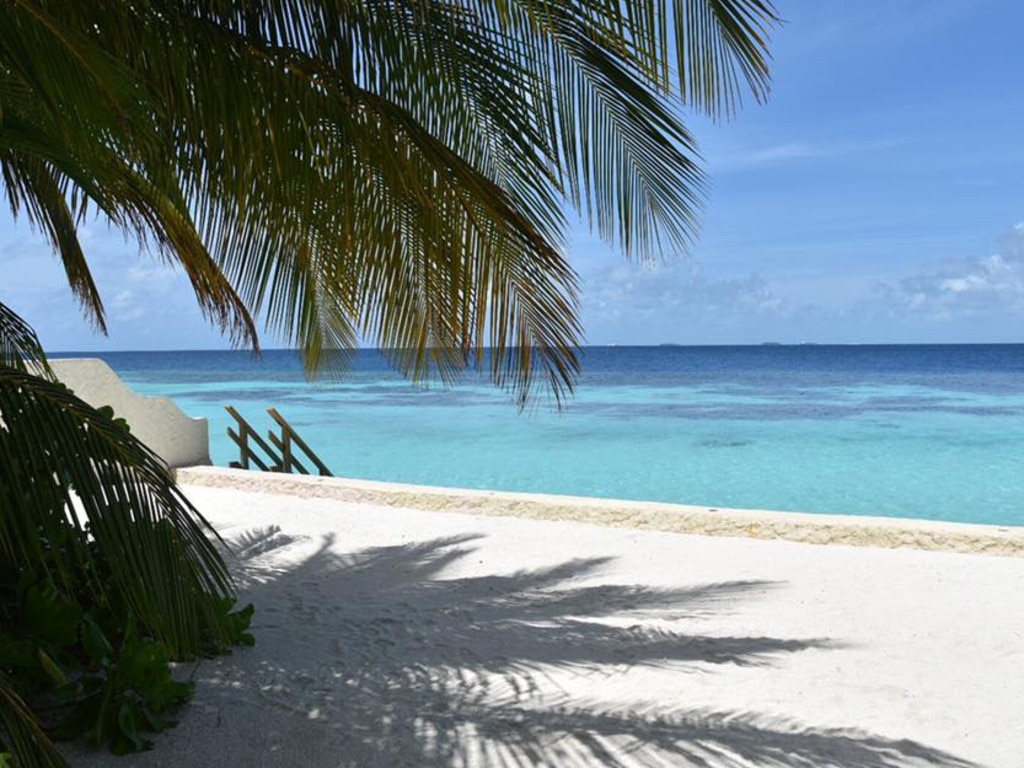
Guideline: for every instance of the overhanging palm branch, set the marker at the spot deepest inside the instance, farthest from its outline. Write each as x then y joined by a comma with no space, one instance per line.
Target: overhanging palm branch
80,130
366,169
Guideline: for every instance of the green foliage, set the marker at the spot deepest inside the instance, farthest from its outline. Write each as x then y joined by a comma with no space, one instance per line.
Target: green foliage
87,665
129,690
237,623
107,573
59,454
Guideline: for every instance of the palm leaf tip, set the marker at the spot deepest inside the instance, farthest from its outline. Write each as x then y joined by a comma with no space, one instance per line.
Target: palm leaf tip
20,348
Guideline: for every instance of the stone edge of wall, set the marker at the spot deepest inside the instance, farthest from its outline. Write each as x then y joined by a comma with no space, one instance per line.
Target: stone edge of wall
177,438
884,532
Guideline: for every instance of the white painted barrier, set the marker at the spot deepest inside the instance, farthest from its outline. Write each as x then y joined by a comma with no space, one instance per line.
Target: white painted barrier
174,436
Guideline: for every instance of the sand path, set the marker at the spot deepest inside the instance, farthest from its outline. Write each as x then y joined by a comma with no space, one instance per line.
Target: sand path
393,637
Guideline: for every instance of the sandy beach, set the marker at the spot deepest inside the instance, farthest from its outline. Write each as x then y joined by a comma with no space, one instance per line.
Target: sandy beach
397,636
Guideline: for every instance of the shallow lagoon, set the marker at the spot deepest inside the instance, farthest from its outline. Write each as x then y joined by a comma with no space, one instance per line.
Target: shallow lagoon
906,431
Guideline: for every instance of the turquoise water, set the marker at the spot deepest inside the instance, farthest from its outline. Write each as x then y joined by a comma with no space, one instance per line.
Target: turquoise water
907,431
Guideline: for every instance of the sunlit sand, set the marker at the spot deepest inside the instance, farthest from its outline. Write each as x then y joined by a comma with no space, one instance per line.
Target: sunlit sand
390,636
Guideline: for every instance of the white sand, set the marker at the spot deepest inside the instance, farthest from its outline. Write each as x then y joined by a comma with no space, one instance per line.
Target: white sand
398,637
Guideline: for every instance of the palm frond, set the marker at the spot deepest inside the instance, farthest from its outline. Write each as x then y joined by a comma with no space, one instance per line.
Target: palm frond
21,734
20,349
722,46
81,128
30,183
63,463
393,172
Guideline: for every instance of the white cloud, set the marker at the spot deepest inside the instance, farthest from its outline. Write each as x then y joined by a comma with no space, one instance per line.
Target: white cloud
149,304
962,288
978,298
627,302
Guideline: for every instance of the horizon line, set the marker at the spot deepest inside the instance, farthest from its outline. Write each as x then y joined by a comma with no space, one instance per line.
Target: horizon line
660,345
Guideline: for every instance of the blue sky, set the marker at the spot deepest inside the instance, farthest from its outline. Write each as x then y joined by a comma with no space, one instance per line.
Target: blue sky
878,197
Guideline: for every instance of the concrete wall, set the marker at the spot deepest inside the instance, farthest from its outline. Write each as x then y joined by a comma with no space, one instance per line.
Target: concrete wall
175,437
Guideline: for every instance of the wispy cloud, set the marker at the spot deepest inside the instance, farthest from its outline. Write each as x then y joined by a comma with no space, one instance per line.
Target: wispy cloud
793,151
627,303
976,297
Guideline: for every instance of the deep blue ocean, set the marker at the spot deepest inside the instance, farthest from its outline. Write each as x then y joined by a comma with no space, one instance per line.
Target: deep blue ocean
907,431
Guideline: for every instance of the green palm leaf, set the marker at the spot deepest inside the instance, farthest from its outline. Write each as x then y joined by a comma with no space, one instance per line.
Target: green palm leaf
391,172
79,130
20,349
63,463
22,734
67,467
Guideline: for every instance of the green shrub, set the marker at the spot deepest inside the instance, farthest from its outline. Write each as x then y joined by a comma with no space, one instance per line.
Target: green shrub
83,663
96,604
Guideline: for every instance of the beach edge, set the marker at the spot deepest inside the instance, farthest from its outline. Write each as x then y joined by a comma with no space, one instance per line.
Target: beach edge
879,532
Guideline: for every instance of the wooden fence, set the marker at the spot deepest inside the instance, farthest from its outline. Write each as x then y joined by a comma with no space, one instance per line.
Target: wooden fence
277,455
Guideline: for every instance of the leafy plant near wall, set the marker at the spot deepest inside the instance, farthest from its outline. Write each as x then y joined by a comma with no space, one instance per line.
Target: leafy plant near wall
107,572
88,667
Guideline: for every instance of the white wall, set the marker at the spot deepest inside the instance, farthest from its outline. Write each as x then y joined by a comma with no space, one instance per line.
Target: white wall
175,437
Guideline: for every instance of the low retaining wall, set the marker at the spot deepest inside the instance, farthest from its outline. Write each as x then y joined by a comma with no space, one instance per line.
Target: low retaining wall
174,436
884,532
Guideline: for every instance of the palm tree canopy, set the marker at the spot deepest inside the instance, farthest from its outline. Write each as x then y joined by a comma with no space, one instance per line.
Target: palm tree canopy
396,172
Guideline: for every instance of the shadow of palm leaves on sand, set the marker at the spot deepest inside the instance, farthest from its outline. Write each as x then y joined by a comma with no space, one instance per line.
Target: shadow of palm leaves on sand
432,671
